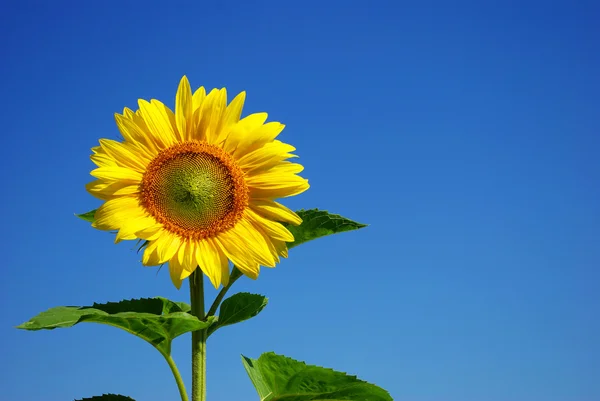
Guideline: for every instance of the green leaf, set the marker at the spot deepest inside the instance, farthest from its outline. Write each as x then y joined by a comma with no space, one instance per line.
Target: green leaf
277,377
237,308
319,223
89,216
108,397
156,320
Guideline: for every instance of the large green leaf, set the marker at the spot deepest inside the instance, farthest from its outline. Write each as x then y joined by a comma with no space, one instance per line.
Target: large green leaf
156,320
279,378
108,397
319,223
237,308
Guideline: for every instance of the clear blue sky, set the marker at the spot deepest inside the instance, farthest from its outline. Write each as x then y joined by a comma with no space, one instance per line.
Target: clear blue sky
466,134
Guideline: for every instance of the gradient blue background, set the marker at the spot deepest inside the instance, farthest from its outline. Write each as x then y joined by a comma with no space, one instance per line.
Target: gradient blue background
466,134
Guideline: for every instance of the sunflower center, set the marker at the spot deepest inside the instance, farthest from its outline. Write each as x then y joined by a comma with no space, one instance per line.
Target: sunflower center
195,190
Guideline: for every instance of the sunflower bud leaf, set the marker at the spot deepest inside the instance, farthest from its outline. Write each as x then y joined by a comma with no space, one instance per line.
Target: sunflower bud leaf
156,320
237,308
319,223
88,216
277,377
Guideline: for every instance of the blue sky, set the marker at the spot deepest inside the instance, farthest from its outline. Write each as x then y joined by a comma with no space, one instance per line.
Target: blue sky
465,133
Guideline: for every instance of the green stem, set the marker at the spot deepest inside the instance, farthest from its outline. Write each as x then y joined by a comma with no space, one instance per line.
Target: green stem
178,379
198,338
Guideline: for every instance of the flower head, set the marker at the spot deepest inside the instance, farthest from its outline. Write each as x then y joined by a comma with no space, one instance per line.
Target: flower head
198,184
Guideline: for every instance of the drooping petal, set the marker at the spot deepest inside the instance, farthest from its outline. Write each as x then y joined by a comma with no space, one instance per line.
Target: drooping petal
187,258
213,262
175,270
168,245
150,255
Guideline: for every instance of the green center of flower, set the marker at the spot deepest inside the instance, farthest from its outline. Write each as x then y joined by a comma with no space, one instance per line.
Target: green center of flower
194,189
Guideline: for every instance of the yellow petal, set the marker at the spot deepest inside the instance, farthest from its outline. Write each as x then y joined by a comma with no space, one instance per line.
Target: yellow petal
198,98
135,133
285,168
272,228
183,109
130,227
112,214
276,185
276,247
231,116
103,160
150,256
168,245
151,233
243,128
123,174
245,233
275,211
123,156
266,157
238,254
107,190
197,101
283,191
258,137
187,257
213,262
213,108
175,270
159,121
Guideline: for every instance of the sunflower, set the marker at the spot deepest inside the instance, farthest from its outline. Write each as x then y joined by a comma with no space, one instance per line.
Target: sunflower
199,185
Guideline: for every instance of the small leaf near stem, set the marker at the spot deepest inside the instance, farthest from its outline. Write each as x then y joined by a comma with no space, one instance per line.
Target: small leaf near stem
237,308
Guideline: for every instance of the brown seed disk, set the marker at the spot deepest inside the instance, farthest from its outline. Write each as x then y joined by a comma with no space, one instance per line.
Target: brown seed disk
196,190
